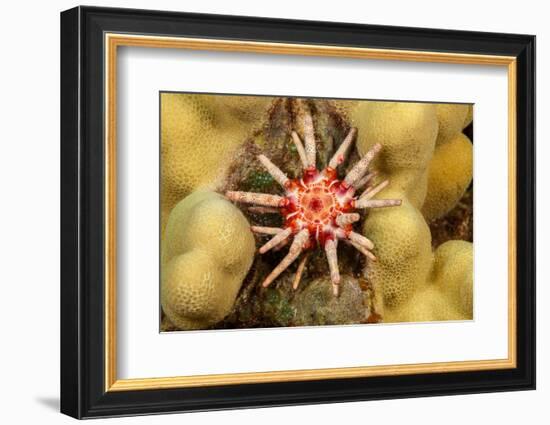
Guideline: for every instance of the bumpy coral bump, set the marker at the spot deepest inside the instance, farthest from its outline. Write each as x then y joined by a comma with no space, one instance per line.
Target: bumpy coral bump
408,132
206,253
448,292
452,119
450,174
453,274
198,134
404,252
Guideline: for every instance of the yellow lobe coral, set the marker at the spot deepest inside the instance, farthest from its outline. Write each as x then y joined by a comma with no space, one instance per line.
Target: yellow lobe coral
428,162
469,117
426,305
448,295
402,239
452,119
450,174
199,133
407,132
207,251
453,274
402,243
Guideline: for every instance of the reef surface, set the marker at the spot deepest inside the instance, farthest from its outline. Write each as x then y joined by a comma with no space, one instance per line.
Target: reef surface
424,261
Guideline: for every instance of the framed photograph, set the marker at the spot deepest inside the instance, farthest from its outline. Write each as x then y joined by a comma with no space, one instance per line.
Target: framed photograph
261,212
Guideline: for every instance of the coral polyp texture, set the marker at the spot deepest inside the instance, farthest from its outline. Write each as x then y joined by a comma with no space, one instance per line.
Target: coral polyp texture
207,251
318,209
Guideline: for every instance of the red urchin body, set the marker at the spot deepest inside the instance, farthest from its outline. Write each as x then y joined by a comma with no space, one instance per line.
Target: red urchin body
314,202
318,209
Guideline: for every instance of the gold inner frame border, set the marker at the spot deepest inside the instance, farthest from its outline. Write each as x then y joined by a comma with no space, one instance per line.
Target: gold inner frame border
113,40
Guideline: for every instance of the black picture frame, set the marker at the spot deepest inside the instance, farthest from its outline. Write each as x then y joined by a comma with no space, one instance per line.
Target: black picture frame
83,392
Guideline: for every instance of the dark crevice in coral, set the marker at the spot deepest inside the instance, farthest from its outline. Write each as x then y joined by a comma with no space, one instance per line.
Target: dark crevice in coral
458,224
278,305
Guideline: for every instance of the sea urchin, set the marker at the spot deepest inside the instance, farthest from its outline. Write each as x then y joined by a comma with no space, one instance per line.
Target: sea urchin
317,208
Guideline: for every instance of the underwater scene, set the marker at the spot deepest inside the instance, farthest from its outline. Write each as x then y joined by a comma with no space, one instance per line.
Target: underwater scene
285,211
